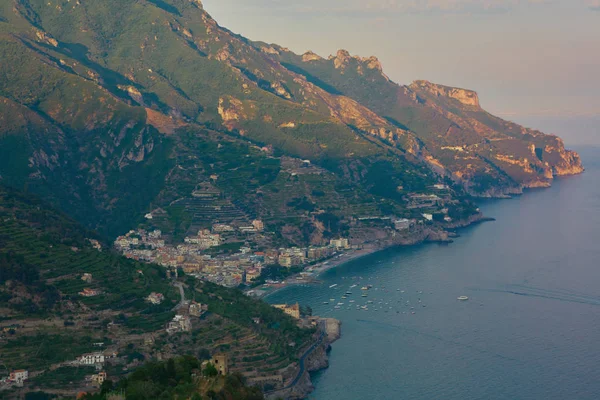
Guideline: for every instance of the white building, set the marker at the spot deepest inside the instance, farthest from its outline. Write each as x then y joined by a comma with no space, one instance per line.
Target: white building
180,323
19,376
339,243
428,217
91,359
155,298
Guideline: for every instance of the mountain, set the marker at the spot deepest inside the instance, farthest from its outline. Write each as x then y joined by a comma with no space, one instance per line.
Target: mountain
97,113
64,293
488,155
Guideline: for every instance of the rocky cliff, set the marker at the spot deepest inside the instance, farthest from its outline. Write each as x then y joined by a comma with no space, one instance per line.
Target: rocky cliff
489,156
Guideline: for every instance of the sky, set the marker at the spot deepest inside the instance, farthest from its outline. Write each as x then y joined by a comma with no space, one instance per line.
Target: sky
531,61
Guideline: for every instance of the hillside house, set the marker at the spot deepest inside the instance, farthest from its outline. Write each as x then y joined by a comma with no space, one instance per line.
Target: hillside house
197,309
87,292
155,298
99,378
293,310
402,224
19,376
180,323
258,225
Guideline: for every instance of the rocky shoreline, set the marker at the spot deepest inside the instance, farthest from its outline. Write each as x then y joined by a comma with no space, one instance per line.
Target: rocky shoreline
317,360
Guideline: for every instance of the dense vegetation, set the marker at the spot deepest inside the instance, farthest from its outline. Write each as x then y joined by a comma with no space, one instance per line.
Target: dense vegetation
178,378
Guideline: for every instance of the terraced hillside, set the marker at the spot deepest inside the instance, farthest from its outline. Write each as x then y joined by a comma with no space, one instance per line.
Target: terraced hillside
53,312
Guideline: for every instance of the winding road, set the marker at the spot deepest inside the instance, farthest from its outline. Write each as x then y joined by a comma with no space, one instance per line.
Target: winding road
301,362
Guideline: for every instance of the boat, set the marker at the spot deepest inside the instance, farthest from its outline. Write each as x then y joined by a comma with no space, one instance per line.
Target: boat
364,288
364,295
351,301
331,299
340,304
332,286
344,297
325,302
337,307
348,293
462,298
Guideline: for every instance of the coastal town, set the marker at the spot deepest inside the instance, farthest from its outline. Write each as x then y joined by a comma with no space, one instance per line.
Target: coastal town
228,248
244,266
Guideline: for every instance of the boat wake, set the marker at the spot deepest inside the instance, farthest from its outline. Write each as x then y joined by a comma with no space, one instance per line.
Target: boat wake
551,294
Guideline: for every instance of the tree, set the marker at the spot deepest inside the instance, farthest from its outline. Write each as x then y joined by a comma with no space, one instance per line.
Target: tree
203,354
171,371
107,386
210,370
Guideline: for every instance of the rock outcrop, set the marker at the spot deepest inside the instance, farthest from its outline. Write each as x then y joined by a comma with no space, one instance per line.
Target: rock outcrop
466,97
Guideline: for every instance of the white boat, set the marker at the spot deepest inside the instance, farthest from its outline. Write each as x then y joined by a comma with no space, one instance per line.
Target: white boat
332,286
337,307
364,288
325,302
340,304
462,298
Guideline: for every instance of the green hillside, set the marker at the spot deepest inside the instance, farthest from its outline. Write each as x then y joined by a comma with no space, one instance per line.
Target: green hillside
46,321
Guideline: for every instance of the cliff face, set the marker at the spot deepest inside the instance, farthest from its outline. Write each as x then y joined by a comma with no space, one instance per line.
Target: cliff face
466,97
489,156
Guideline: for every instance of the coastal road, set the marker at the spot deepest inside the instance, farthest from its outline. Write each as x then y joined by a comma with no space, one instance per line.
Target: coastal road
302,359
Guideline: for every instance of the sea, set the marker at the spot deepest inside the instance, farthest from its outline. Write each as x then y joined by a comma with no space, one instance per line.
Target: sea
529,330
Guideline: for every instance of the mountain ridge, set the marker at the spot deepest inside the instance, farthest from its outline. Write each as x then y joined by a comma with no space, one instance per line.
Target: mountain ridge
111,96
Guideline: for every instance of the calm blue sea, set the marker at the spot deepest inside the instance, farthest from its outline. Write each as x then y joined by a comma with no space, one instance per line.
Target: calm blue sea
530,330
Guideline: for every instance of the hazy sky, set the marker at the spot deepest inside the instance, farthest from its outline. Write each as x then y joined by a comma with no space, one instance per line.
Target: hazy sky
527,59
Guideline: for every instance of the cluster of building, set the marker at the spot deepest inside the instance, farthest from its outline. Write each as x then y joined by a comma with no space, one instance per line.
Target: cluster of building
182,321
230,270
